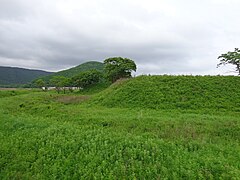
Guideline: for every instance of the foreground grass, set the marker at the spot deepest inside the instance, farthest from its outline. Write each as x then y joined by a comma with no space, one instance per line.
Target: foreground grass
44,138
15,92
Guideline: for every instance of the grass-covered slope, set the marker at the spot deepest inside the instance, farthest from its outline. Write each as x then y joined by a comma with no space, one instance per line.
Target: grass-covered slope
76,70
170,92
16,76
41,138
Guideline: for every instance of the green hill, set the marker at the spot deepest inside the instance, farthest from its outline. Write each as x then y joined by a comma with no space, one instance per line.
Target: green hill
13,76
171,92
76,70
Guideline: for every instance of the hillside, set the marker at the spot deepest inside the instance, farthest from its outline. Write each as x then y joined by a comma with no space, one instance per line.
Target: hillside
171,92
18,76
76,70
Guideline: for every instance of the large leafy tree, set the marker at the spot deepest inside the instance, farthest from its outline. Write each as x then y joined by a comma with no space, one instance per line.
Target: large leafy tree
118,67
231,58
87,78
39,83
59,82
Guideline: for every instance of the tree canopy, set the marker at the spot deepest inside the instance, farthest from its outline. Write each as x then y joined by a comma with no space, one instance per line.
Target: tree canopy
87,78
39,83
118,67
59,81
231,58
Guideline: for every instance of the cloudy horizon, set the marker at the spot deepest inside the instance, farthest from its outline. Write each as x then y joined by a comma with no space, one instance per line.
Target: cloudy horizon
162,37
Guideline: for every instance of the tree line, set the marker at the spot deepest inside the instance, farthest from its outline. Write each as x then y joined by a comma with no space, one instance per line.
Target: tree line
114,68
117,68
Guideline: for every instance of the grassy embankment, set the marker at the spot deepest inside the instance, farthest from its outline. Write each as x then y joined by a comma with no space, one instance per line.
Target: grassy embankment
146,127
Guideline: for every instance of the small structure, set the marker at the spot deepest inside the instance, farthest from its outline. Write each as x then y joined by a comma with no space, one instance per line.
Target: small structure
61,88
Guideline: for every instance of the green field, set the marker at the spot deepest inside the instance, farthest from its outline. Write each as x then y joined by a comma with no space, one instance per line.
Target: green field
149,127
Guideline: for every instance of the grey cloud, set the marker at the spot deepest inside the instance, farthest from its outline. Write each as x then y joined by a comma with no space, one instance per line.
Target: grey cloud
12,9
161,36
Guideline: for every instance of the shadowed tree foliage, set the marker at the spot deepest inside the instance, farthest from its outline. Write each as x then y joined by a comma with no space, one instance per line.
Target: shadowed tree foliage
59,81
118,67
40,83
87,78
231,58
69,73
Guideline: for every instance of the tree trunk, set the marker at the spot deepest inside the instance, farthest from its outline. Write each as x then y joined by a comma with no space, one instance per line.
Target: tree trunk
238,69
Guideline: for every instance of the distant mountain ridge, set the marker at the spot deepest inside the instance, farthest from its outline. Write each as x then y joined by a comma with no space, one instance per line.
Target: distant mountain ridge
18,76
77,69
14,76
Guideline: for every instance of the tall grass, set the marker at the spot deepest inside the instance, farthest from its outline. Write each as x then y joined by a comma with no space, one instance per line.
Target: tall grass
42,137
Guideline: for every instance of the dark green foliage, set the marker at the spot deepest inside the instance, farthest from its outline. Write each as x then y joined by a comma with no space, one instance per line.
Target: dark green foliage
87,78
78,69
39,83
118,67
93,89
18,76
231,58
174,92
59,82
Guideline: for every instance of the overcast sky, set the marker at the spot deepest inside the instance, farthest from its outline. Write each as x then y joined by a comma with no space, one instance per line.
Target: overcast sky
161,36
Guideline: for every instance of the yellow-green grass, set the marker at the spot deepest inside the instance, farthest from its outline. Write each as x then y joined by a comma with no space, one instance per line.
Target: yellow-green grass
44,137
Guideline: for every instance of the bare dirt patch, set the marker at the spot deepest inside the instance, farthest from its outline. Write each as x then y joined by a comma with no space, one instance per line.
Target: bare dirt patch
8,89
72,99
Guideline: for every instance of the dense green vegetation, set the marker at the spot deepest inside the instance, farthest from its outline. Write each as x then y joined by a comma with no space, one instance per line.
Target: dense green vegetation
9,93
19,77
87,79
174,92
232,58
11,76
89,74
76,70
145,134
118,68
